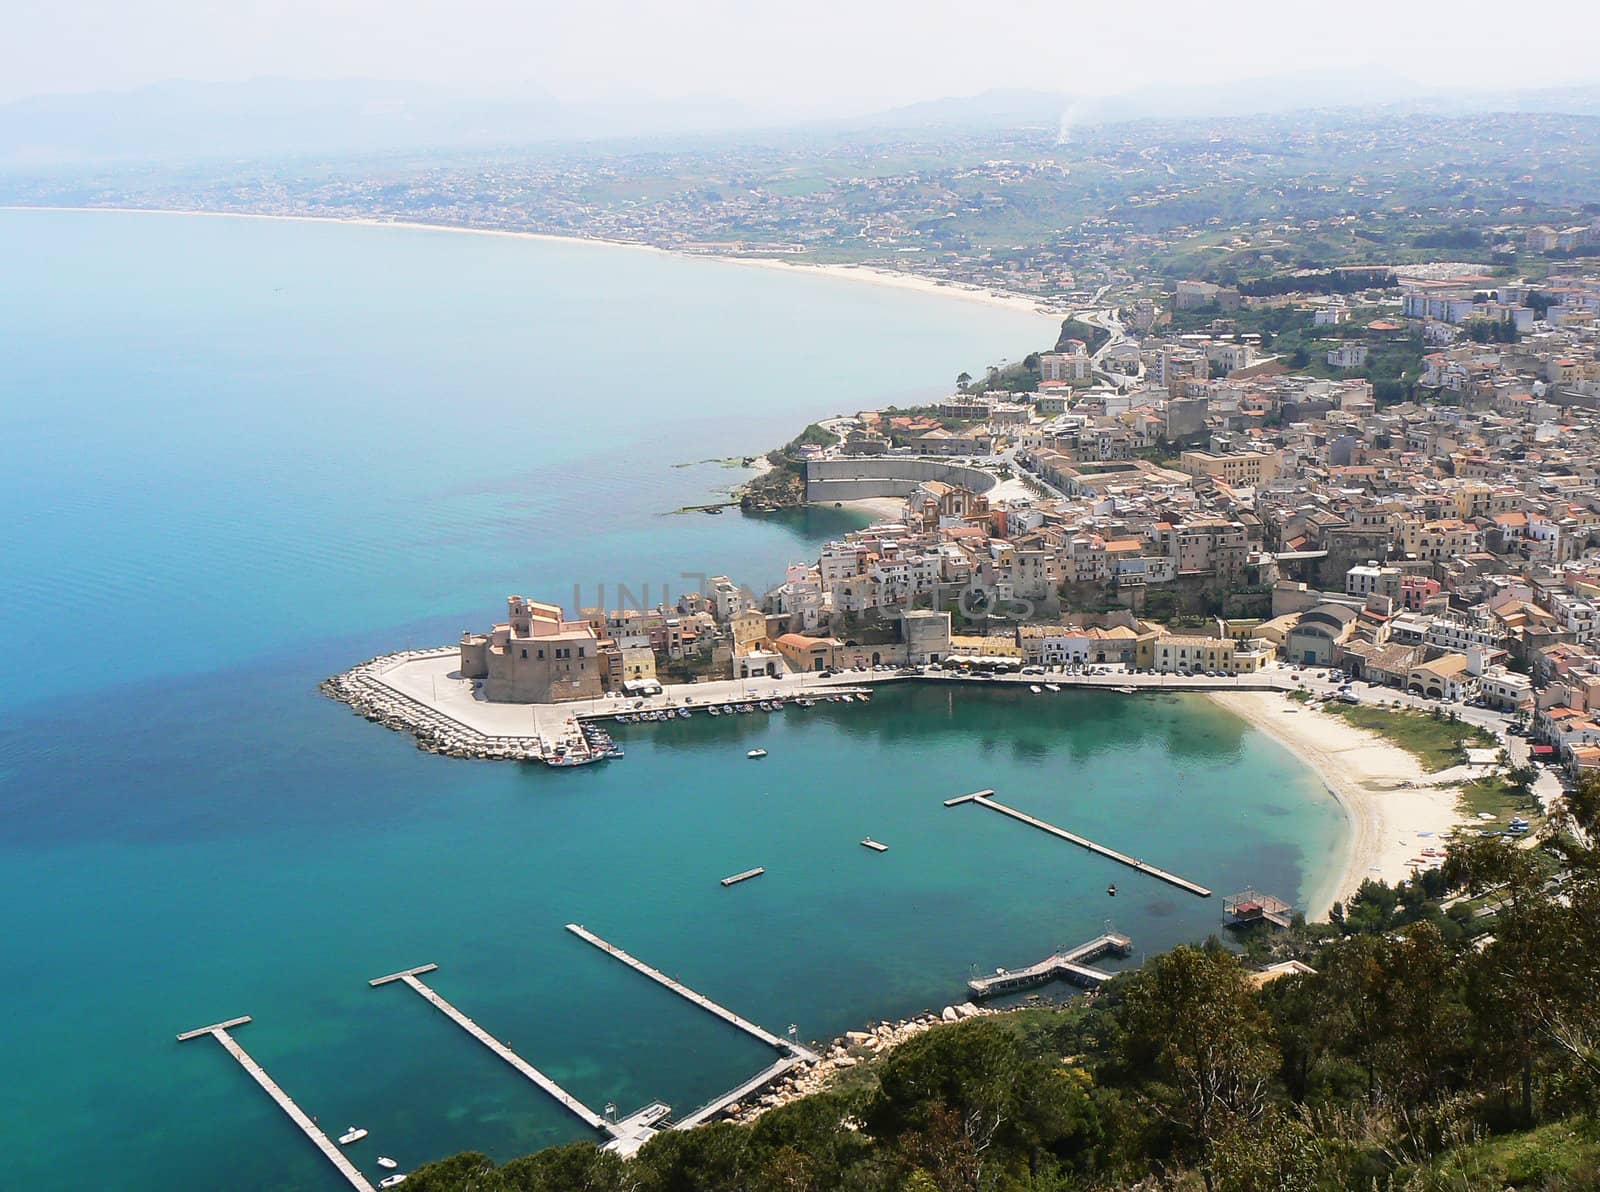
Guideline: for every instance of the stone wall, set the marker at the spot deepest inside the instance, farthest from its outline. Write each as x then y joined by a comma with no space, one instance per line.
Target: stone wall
829,480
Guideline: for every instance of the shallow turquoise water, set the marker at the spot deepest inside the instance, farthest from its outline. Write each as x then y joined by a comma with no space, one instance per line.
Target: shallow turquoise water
239,455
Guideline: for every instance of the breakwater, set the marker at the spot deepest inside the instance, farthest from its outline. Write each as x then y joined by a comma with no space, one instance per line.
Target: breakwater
435,731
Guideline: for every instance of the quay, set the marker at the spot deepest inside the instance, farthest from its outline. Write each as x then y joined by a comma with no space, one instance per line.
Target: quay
789,1046
220,1031
735,878
983,799
422,692
410,977
1070,965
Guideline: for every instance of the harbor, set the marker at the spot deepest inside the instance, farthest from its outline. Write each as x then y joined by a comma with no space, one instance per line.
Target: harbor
423,693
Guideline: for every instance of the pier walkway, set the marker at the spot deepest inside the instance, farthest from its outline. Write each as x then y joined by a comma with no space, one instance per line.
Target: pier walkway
219,1032
1071,965
734,1095
575,1106
699,999
984,799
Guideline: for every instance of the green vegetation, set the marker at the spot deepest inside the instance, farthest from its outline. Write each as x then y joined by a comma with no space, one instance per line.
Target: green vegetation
1437,741
1094,337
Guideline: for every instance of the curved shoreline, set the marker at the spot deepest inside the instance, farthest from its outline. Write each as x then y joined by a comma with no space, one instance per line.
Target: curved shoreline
871,275
1386,795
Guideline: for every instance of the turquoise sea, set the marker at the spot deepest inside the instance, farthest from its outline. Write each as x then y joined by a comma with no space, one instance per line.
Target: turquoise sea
239,455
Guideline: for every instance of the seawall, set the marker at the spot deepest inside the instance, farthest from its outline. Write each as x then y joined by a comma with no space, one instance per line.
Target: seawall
854,479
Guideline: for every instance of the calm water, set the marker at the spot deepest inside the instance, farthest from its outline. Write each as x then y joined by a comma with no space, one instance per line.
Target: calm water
238,455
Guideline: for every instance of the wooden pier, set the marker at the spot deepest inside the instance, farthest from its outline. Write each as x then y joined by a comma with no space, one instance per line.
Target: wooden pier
735,879
219,1032
1071,965
983,799
744,1024
575,1106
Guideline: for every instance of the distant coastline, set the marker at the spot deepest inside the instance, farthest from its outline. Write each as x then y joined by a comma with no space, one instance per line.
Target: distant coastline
885,278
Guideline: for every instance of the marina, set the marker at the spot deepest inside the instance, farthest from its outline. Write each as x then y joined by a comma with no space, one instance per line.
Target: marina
1072,964
221,1032
984,799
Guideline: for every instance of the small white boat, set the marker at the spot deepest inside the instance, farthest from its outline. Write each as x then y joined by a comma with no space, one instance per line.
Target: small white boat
1052,686
391,1181
387,1163
755,753
1036,689
353,1134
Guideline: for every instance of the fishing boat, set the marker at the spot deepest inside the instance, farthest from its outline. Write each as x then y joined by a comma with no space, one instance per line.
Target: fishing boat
727,709
683,713
567,759
714,710
764,706
755,753
353,1134
1035,688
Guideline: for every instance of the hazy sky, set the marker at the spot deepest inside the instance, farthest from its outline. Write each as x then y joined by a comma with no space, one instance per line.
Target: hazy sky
825,55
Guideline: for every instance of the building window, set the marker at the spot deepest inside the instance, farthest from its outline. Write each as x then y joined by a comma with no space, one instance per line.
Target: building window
524,652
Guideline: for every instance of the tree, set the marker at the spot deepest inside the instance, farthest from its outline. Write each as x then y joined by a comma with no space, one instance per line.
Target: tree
963,380
1192,1023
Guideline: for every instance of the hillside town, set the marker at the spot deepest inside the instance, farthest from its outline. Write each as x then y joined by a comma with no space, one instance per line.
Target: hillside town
1188,504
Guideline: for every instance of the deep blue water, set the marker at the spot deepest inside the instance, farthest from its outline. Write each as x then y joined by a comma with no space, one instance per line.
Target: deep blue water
240,455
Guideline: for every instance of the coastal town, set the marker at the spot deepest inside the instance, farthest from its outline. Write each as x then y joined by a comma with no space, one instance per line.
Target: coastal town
1158,508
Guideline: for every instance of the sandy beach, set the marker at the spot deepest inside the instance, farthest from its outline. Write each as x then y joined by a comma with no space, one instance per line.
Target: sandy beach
853,273
1369,777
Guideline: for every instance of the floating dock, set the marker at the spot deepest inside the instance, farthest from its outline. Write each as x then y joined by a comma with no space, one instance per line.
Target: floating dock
1071,965
983,799
575,1106
699,999
219,1032
734,1095
876,846
735,879
794,1053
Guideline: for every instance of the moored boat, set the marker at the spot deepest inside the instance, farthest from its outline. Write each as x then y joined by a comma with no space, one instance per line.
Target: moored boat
755,753
353,1134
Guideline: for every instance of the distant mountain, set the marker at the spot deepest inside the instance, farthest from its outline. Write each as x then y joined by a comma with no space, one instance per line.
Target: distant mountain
1366,87
204,121
194,122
